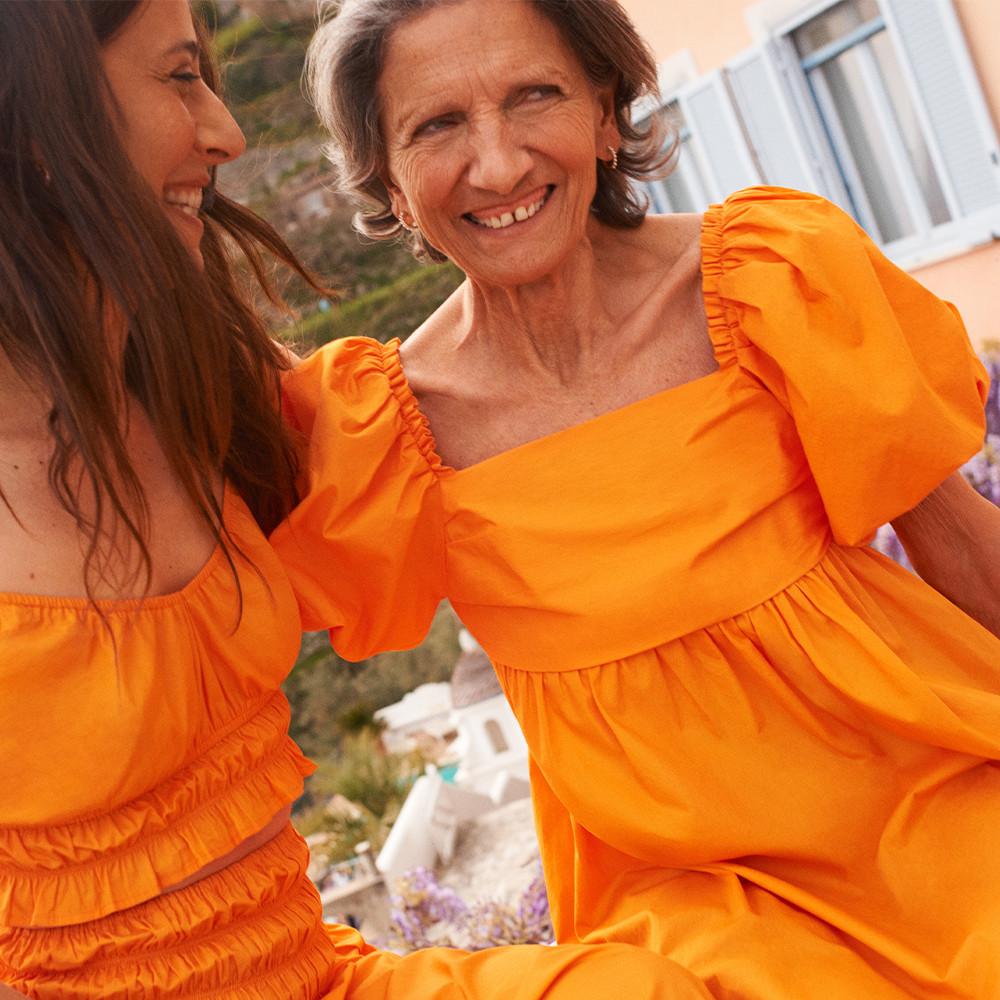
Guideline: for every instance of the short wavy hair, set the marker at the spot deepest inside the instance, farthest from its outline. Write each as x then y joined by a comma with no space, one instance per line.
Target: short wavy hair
346,58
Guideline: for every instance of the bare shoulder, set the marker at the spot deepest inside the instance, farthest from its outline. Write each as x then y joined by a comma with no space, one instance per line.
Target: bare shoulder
425,352
674,238
642,257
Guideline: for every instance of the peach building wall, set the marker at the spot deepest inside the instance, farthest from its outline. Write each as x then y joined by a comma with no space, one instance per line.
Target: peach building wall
715,31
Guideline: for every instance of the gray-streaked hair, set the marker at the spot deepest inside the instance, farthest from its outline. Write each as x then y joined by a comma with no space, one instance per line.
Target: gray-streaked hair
345,61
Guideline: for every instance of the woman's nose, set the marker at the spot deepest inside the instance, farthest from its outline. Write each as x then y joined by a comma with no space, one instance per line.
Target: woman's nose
219,137
499,159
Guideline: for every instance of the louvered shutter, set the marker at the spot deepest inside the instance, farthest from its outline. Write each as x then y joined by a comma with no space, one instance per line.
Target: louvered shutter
717,135
761,87
934,55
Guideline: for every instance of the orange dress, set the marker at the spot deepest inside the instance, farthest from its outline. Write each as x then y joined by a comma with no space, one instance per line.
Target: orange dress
757,746
136,749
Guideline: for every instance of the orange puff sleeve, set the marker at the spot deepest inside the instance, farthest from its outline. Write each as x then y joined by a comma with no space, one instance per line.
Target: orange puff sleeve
878,373
365,546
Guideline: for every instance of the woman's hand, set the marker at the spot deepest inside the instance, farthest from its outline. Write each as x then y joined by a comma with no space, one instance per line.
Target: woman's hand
7,993
953,540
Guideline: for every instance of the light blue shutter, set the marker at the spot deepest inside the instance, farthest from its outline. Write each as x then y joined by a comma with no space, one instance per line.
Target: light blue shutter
716,133
762,88
928,38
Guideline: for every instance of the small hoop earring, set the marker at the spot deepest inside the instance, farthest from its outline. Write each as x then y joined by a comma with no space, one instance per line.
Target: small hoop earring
614,157
410,227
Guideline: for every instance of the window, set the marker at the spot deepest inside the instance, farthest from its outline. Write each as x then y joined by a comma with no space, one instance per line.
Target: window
871,121
714,156
684,189
495,735
876,105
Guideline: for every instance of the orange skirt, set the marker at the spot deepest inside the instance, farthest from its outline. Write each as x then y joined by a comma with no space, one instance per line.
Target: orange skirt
254,931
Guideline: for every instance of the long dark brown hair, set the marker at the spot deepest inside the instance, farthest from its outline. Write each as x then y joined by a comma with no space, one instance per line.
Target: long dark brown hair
82,235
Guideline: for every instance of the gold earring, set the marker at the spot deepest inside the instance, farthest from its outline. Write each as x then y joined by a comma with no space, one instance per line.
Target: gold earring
614,157
410,227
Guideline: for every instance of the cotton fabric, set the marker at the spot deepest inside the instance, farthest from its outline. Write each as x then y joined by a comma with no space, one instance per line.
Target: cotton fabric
757,746
141,740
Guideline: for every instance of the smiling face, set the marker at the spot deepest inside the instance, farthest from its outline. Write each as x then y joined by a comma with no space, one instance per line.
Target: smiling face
174,128
492,133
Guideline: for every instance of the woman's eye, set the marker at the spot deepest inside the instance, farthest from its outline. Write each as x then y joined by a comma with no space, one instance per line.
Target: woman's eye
185,77
540,93
433,126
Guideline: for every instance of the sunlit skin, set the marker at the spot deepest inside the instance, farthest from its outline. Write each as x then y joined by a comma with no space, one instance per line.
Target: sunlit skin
484,118
485,109
174,128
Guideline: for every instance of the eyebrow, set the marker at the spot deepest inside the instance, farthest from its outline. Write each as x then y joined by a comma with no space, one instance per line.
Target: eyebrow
191,47
437,107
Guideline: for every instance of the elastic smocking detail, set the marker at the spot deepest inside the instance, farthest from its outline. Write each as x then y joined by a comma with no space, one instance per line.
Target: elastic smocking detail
413,418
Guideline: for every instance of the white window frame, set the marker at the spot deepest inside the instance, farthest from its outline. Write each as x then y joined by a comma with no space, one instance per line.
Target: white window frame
771,23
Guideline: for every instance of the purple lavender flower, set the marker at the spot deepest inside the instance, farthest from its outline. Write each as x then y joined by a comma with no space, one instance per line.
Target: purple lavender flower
425,913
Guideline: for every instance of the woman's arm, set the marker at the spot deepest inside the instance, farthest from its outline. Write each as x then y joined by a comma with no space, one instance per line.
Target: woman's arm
953,540
6,993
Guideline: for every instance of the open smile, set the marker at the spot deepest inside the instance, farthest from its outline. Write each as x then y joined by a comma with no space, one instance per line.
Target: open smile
505,216
185,202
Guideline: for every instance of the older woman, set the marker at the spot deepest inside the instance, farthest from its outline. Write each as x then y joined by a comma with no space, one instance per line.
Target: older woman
642,457
146,772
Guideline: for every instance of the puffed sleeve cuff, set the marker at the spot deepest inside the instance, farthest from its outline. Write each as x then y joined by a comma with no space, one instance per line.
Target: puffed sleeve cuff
364,546
878,373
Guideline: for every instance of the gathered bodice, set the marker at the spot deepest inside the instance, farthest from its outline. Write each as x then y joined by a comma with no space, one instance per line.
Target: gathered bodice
137,736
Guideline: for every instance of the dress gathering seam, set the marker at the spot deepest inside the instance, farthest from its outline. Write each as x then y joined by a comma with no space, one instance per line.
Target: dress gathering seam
414,421
701,628
144,844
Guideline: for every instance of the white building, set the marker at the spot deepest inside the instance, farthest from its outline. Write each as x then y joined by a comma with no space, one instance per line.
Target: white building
422,714
490,744
492,755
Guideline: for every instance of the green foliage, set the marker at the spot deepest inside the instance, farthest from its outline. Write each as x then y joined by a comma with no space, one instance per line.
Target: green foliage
376,782
323,688
360,718
229,39
364,773
262,66
393,310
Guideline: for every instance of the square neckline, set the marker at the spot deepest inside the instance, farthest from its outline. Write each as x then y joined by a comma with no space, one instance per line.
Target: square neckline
717,325
117,605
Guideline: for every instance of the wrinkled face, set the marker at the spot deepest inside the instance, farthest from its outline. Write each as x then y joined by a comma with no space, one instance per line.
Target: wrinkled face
493,132
174,128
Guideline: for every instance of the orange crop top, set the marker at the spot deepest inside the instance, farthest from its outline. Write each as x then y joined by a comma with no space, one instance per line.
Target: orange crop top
121,777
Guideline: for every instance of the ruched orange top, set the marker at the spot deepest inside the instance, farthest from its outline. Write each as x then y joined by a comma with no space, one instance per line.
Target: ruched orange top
142,740
757,746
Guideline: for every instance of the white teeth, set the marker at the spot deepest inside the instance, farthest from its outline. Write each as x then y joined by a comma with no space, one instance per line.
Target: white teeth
186,199
520,214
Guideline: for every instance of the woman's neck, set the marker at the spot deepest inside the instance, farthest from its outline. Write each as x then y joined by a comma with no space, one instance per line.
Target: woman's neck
24,405
559,325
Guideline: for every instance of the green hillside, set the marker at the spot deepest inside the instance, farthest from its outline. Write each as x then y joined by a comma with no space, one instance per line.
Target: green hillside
382,292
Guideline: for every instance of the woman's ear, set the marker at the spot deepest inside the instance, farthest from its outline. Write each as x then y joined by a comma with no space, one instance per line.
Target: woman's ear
399,204
606,132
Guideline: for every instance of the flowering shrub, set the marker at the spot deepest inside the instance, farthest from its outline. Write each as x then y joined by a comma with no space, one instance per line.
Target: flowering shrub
982,470
426,913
